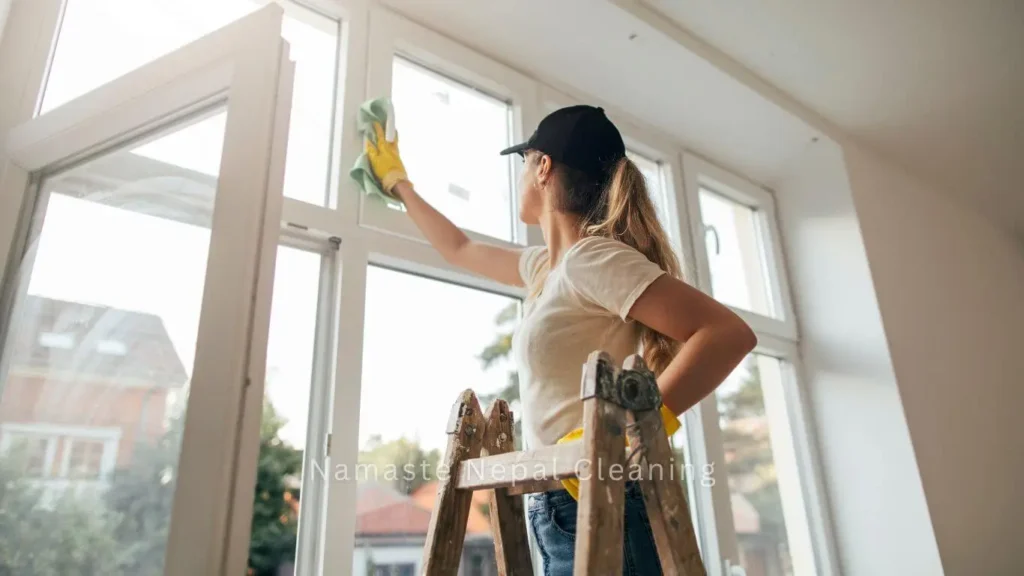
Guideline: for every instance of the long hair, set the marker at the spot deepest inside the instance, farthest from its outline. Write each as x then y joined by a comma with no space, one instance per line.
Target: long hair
622,210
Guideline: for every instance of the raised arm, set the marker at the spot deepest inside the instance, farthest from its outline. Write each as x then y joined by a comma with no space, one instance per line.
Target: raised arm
495,262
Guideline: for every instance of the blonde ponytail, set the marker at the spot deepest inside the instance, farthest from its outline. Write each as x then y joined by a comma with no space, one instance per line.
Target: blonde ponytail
629,217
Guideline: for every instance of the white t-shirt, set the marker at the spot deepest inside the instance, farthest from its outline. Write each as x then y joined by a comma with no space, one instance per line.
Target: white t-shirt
582,307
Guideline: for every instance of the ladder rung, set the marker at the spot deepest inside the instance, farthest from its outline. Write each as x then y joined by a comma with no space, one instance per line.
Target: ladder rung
534,486
513,468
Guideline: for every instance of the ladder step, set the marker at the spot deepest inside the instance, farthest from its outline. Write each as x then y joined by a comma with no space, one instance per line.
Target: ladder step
534,486
514,468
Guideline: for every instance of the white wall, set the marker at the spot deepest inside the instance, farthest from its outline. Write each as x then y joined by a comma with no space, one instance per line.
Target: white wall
951,290
874,490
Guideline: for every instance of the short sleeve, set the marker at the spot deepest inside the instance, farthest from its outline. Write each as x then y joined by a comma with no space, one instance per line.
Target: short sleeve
609,273
531,263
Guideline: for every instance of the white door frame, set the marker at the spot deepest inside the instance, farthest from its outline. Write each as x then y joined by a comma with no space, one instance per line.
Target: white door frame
243,67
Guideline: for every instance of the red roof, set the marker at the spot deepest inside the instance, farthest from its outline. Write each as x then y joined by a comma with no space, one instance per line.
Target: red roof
478,522
400,518
380,510
146,352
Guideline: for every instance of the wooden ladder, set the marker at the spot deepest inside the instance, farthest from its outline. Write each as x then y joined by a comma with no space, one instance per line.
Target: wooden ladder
616,404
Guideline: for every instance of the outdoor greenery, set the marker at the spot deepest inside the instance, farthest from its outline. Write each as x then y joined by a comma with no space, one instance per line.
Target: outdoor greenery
749,460
401,464
276,500
123,530
499,349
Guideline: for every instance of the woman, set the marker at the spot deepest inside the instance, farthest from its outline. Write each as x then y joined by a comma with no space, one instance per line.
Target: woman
606,279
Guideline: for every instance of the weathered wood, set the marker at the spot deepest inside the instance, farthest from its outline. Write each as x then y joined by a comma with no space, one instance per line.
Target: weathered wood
662,488
479,456
534,486
508,470
599,521
508,522
447,532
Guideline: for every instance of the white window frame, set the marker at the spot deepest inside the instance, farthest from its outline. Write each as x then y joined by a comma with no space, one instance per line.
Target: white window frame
11,431
392,35
699,173
778,338
243,66
56,479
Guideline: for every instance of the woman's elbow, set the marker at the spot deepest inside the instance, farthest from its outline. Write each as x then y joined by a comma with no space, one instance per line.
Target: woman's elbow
742,336
747,339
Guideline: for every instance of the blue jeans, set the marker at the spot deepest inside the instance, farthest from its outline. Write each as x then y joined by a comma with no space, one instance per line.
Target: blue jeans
553,519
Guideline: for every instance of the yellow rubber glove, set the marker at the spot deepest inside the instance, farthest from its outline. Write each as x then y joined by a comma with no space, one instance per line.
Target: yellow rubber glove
385,162
572,485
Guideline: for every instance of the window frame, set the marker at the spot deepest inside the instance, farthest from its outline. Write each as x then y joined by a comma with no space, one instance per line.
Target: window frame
699,173
361,233
244,67
392,36
778,338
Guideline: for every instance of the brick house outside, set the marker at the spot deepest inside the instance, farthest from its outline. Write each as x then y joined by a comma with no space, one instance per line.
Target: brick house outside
82,387
391,529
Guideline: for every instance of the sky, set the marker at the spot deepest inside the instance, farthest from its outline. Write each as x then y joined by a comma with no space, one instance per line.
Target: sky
422,337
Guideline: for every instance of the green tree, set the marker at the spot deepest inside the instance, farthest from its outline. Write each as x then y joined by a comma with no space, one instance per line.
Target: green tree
275,504
142,494
748,450
124,531
71,535
500,348
401,463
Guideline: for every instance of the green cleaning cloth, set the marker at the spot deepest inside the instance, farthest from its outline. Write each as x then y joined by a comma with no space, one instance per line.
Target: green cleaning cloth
372,111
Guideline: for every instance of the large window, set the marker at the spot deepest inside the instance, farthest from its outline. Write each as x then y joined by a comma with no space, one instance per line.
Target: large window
737,247
425,342
120,250
100,40
734,236
451,135
762,472
768,511
372,336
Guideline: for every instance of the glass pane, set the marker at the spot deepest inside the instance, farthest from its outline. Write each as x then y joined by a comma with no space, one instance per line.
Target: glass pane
651,170
99,354
314,49
450,138
765,494
405,404
275,517
734,240
101,40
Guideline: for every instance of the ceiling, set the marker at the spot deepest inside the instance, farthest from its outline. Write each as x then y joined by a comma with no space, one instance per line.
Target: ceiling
937,86
594,48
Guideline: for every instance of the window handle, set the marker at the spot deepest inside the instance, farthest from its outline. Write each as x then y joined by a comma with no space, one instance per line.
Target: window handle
709,229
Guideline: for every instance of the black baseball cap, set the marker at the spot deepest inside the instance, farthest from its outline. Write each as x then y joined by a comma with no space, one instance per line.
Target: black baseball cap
581,137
